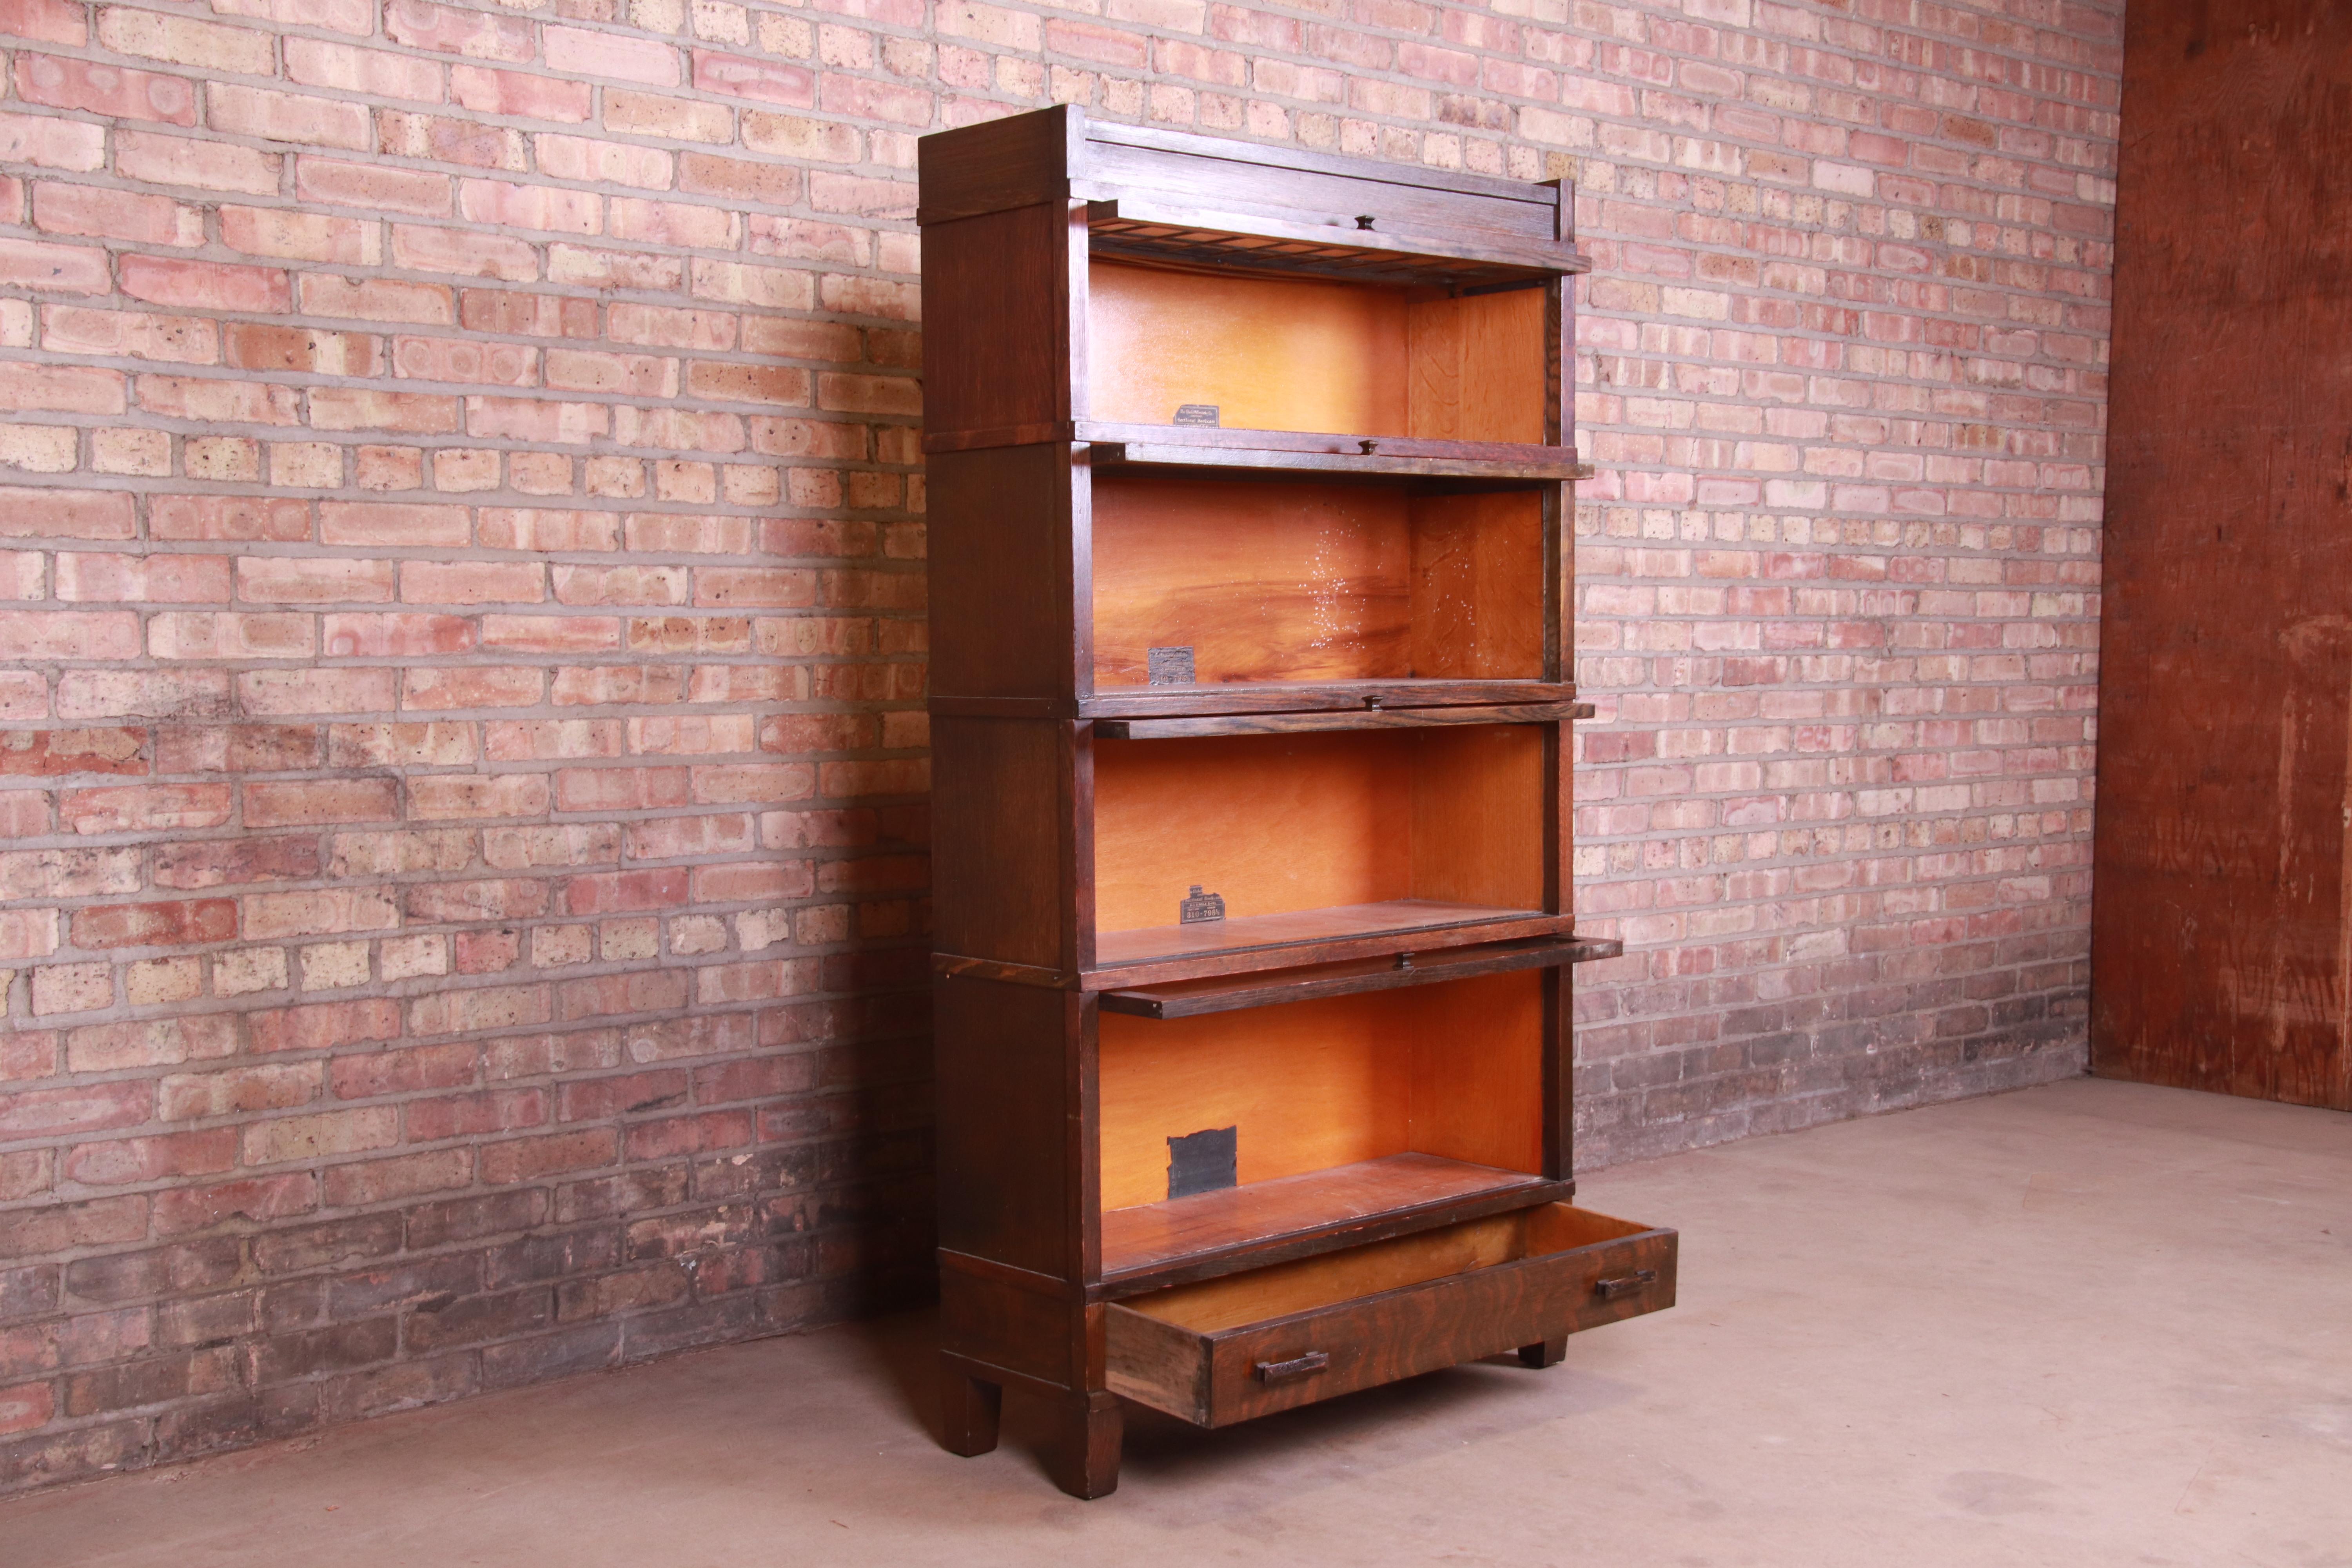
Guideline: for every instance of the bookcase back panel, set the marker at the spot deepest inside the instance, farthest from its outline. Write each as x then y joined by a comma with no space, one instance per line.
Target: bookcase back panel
1270,352
1276,823
1293,581
1267,352
1452,1069
1268,823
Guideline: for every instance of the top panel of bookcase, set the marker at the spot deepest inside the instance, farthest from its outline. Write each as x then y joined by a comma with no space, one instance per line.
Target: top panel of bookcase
1163,196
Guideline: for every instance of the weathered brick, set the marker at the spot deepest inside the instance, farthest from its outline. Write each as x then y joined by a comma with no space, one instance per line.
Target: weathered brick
635,744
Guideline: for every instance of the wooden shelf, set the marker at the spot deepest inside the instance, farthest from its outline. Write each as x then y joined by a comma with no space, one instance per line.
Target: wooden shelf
1208,1234
1268,988
1173,729
1379,925
1255,697
1249,696
1183,448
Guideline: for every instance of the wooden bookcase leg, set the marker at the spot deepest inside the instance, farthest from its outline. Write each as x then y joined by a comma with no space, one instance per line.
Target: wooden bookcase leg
1083,1457
969,1408
1544,1353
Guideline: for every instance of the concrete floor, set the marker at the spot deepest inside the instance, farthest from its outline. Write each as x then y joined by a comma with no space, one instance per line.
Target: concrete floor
2085,1325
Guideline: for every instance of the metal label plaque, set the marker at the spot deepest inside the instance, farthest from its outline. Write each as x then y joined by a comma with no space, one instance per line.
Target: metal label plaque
1169,666
1198,414
1203,1161
1201,906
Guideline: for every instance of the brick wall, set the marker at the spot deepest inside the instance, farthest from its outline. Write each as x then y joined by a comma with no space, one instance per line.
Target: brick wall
461,755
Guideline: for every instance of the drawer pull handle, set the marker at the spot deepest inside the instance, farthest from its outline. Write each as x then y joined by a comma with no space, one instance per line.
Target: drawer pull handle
1297,1366
1624,1284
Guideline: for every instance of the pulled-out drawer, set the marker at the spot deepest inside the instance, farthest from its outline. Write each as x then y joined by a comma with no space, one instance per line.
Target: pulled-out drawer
1248,1344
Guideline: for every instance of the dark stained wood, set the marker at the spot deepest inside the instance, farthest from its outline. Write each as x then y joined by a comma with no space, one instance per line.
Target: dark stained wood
1009,1191
996,320
1001,528
955,965
1154,231
1000,822
1253,697
1176,459
1548,193
1083,1455
1495,461
1022,160
1366,761
970,1408
1187,998
1158,185
1427,919
1385,941
2221,934
1183,1352
1000,435
1214,1233
1367,719
1314,441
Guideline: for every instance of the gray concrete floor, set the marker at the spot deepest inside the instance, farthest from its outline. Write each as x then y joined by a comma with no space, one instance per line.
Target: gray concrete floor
2083,1324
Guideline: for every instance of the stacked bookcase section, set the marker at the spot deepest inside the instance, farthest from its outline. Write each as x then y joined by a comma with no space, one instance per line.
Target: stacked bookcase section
1248,476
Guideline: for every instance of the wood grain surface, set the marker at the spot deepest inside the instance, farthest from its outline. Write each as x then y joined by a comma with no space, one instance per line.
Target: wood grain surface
2221,949
1348,1319
1220,994
1452,1069
1202,1235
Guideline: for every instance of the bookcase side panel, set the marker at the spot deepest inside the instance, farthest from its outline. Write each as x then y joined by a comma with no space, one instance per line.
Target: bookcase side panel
1010,1187
1003,848
1004,571
996,322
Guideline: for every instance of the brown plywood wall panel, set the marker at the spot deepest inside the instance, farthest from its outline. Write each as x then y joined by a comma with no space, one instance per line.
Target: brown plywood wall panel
2222,939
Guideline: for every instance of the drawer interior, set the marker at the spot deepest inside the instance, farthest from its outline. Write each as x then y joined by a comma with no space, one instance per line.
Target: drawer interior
1333,1278
1309,581
1275,352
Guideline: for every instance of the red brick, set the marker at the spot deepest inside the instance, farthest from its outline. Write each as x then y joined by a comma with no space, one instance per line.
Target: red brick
322,800
177,923
46,21
66,268
206,285
521,95
48,752
575,51
105,88
534,1159
325,1025
60,1112
185,1210
773,81
130,1160
115,214
164,160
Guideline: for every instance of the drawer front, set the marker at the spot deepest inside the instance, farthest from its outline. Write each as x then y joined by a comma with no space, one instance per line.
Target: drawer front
1230,1376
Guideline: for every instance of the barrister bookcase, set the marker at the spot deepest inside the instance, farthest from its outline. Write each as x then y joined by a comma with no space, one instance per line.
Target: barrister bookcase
1249,475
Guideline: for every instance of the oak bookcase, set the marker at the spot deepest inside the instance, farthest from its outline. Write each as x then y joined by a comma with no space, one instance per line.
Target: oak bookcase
1249,475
